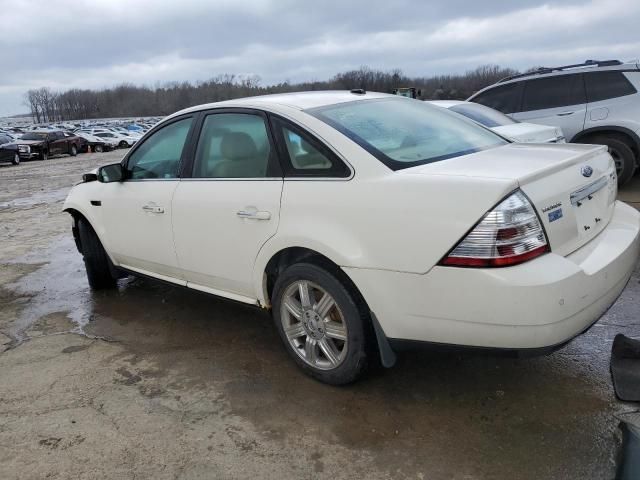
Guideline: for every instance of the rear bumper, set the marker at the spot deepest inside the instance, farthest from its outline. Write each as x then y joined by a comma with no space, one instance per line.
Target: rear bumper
536,305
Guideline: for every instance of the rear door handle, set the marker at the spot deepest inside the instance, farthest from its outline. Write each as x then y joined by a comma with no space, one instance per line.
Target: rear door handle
564,114
152,208
254,215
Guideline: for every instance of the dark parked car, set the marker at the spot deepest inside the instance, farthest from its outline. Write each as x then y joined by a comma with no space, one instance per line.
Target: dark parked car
8,150
41,145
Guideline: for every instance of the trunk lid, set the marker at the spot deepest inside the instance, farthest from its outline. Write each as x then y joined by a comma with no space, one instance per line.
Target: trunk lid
530,133
572,187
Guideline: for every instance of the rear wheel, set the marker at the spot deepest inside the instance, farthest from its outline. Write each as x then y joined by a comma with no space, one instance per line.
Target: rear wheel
74,151
123,144
622,155
16,159
320,323
97,148
96,260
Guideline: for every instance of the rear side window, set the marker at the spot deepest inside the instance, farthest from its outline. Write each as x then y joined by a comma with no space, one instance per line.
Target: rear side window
553,92
606,85
233,145
505,98
304,156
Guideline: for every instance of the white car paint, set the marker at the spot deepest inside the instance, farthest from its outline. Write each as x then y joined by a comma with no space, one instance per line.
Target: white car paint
518,132
387,230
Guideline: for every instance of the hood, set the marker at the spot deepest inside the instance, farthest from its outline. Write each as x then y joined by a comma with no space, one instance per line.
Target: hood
530,133
30,142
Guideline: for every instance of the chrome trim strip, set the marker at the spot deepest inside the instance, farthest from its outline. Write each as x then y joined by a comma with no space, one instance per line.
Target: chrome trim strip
579,195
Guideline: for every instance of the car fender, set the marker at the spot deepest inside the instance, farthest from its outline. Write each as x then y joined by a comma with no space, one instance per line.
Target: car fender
346,255
626,128
79,200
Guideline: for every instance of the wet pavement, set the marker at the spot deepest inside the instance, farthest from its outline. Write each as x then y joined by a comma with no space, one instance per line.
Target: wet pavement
155,381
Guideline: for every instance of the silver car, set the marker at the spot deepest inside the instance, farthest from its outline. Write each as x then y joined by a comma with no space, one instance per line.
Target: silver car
592,102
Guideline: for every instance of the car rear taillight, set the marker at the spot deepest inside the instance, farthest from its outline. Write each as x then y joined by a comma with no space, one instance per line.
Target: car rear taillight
509,234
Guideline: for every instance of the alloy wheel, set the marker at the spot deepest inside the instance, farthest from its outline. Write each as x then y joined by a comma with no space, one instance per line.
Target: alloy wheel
314,325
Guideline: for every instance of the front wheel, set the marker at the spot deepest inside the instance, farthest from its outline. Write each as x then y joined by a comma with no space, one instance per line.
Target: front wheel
96,261
74,151
97,148
44,155
123,144
16,159
320,323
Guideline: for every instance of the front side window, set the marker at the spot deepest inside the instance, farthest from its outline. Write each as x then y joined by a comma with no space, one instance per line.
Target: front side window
159,155
403,133
606,85
553,92
486,116
505,98
233,145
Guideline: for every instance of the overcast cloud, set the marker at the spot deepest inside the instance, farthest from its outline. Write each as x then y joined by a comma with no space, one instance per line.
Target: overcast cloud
92,44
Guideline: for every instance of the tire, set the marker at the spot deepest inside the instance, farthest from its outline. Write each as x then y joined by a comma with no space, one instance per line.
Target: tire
309,336
44,155
622,155
74,151
96,260
16,159
97,148
123,144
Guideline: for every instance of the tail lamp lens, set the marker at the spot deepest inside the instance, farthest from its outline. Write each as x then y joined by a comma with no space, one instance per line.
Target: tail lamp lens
509,234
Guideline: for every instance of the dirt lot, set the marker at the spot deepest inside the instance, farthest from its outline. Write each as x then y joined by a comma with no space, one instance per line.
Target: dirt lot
152,381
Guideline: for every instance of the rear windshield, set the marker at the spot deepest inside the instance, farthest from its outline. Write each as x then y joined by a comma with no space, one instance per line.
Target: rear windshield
403,133
486,116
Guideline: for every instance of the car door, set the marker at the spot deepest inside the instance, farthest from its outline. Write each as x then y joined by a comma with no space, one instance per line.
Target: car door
6,154
136,213
559,101
230,206
57,143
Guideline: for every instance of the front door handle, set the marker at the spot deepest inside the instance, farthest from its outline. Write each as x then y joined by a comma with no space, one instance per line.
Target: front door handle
564,114
152,208
254,215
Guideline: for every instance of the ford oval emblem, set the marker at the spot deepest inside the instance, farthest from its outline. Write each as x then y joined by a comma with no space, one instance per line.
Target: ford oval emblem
586,171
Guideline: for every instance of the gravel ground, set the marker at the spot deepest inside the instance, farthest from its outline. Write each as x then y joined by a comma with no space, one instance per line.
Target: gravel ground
153,381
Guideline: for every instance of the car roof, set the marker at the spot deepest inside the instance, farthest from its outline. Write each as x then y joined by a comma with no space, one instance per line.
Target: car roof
297,100
543,72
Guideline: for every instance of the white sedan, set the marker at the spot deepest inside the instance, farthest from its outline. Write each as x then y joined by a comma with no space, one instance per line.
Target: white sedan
365,220
502,124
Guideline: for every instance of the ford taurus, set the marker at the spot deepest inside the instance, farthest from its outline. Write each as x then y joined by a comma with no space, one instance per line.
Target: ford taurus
364,221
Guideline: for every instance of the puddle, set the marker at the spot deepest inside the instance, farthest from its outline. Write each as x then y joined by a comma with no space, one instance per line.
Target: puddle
60,285
38,198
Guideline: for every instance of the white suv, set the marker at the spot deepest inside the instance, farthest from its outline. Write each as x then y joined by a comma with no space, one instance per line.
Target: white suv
593,102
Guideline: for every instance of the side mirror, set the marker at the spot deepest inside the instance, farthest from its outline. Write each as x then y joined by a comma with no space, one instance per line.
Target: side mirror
111,173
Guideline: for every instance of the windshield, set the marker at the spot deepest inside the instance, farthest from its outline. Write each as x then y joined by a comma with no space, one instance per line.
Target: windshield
403,133
34,136
484,115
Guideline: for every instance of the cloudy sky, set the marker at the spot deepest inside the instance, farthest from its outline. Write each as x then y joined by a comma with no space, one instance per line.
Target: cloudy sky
96,43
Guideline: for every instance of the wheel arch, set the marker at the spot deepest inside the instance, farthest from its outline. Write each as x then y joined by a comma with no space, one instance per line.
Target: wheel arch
622,133
78,214
284,257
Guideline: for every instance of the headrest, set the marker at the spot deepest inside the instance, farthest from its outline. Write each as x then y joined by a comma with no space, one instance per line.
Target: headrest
237,146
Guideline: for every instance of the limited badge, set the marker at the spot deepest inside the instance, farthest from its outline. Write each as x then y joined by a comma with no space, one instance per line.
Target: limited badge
555,215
